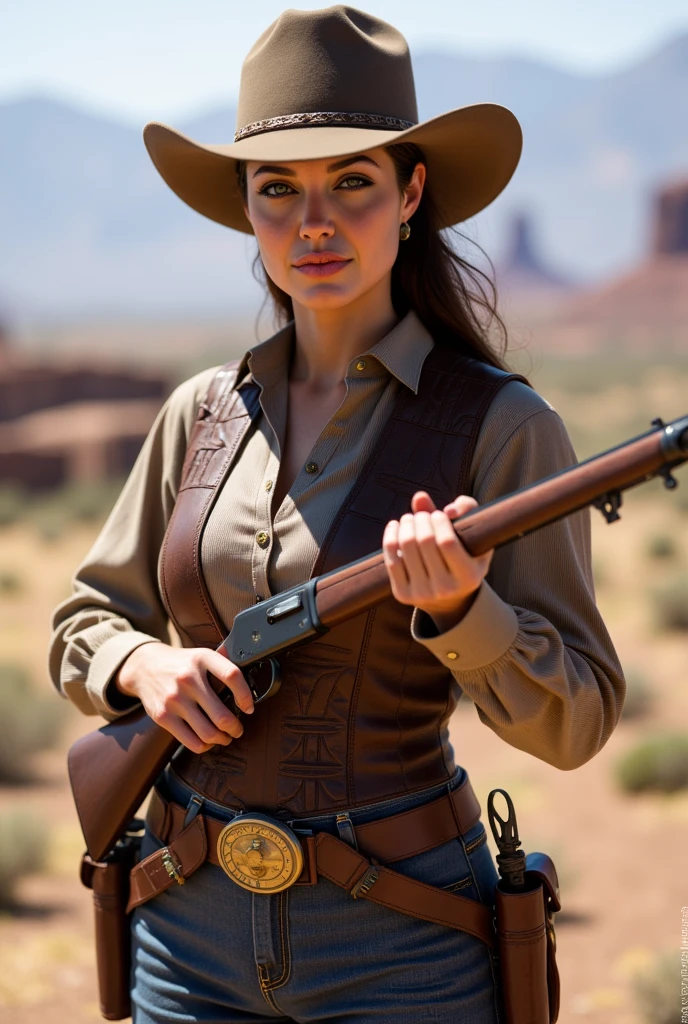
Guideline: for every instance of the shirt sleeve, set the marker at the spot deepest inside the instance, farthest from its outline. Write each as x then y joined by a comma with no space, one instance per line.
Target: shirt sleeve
533,652
115,604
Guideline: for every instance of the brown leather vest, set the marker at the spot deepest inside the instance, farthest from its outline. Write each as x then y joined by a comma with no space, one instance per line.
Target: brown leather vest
362,713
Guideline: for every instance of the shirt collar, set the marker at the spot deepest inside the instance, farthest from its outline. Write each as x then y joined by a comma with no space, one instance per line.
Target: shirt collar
402,352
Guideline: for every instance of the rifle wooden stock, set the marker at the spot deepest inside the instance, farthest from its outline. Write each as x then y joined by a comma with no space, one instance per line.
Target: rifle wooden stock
112,769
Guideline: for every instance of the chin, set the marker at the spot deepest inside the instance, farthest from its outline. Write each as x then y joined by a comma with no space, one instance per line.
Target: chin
326,296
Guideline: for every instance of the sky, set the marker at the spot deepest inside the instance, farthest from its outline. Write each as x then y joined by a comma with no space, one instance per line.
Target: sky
139,60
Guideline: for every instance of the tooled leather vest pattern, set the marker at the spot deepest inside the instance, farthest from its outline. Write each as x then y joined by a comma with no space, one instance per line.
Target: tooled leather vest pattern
362,714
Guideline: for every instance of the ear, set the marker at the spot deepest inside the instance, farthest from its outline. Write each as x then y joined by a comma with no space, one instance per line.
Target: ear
413,192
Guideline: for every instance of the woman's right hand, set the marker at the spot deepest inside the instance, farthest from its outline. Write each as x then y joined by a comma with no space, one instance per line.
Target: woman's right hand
172,684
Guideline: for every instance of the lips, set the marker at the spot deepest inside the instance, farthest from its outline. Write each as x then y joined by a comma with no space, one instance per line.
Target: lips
311,258
320,264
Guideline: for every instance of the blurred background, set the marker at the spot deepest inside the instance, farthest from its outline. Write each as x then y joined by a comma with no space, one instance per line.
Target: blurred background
112,291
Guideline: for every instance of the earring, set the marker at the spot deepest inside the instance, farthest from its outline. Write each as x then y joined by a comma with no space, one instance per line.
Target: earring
404,231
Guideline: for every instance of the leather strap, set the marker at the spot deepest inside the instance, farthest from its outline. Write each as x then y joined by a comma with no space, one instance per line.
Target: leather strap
222,422
386,840
350,870
323,855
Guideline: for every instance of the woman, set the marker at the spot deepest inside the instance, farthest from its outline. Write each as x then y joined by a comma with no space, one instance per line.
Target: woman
382,379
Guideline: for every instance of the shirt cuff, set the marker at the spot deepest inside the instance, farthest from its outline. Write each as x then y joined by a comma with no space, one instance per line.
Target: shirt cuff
105,663
483,635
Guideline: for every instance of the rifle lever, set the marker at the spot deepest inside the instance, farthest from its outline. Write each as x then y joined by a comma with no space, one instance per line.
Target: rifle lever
609,505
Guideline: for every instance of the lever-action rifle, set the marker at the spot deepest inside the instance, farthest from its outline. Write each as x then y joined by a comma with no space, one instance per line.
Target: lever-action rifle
112,769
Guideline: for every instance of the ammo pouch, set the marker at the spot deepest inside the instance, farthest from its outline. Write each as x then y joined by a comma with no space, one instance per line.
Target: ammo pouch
526,944
109,881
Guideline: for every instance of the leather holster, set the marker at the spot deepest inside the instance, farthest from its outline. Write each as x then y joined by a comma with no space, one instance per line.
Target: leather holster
109,881
527,946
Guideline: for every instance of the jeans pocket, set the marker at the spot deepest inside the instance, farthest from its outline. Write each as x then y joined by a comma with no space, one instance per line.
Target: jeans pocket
445,867
481,863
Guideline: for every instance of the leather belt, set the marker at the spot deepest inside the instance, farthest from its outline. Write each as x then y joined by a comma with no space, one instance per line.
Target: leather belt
385,840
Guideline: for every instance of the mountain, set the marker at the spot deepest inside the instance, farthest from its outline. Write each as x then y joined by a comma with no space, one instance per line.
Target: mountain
87,226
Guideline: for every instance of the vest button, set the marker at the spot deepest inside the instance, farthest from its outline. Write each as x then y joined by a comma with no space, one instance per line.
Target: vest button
268,485
360,365
258,598
262,537
311,467
452,654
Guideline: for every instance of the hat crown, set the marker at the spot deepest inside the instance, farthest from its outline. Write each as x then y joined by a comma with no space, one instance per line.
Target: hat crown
338,59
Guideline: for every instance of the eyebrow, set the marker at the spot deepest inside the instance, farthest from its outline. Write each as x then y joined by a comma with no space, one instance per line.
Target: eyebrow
339,165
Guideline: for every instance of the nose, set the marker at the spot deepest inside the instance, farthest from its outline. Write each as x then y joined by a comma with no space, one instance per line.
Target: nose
315,223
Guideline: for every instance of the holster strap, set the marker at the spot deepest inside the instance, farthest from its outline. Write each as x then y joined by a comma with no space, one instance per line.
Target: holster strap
324,855
348,869
386,840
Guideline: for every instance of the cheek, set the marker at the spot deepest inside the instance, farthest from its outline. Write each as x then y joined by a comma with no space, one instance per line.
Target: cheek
274,234
375,229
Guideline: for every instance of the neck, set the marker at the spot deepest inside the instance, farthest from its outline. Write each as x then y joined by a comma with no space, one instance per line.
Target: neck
328,339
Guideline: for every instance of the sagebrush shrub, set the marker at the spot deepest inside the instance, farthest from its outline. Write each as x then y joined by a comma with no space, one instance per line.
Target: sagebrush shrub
639,695
29,722
23,850
662,546
659,762
671,603
657,990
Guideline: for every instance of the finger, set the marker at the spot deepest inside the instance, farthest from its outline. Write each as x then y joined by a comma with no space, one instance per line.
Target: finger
393,559
437,569
459,562
183,733
422,502
459,506
219,714
206,731
231,675
413,561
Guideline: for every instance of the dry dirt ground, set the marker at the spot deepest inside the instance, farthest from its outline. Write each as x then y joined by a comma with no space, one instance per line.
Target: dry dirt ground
621,860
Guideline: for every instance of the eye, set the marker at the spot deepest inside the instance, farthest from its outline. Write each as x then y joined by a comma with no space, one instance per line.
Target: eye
276,189
353,182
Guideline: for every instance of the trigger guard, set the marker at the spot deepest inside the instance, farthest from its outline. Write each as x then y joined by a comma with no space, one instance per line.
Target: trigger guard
275,680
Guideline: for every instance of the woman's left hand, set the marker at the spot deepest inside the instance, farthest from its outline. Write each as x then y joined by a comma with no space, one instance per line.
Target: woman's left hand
428,565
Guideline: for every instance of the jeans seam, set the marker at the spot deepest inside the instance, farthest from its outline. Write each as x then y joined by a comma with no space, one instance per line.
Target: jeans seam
496,977
285,947
265,991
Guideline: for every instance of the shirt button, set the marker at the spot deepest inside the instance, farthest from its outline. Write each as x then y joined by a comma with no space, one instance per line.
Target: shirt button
452,654
262,537
360,365
311,467
268,485
258,598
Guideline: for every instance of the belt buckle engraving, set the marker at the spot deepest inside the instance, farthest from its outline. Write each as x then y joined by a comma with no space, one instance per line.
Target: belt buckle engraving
259,854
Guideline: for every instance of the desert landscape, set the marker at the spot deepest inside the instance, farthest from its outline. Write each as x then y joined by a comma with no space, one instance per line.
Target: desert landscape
112,292
620,855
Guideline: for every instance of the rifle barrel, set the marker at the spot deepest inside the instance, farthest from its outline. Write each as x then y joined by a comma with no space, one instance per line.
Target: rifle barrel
359,585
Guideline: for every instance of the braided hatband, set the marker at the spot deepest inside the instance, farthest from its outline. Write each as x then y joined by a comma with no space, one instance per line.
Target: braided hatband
323,118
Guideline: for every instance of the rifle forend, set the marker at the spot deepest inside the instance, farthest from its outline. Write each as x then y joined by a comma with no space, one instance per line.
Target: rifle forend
112,769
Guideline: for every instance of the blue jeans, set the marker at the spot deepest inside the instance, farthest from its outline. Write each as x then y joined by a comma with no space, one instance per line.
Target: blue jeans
211,951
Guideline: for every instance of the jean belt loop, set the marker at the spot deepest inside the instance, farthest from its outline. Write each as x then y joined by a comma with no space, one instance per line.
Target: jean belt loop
345,829
193,807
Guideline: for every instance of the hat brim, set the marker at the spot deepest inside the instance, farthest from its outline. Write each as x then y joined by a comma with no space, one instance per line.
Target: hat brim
471,154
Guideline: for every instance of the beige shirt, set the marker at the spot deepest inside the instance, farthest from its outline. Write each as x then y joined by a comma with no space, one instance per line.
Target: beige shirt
532,652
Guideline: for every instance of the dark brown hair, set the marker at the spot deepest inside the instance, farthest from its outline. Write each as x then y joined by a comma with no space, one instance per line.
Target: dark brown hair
455,300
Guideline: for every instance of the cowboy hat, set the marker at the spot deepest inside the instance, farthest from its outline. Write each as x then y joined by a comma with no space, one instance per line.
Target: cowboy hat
335,82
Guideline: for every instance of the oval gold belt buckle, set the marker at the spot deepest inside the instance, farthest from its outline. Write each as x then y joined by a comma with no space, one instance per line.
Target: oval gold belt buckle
259,854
